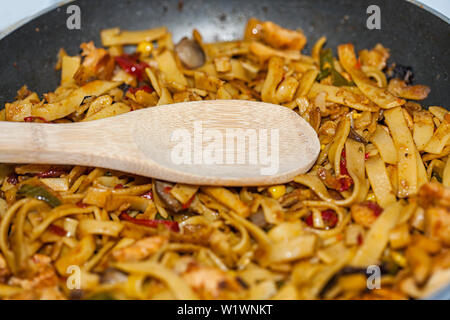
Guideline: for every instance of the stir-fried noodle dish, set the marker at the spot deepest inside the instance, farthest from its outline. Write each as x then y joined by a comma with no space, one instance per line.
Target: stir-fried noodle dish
376,202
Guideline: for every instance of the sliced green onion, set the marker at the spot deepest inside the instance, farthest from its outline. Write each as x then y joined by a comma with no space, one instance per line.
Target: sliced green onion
39,193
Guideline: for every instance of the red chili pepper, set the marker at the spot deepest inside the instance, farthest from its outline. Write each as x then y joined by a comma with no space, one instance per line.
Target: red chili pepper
376,209
171,225
13,179
188,204
343,163
330,218
360,239
148,195
358,64
167,189
309,220
51,173
57,230
131,65
345,183
118,186
145,88
32,118
80,204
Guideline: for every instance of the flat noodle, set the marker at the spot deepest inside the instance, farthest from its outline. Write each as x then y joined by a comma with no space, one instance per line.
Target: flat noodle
446,174
385,145
70,66
378,237
335,151
79,255
440,138
380,96
264,52
168,67
344,96
110,111
306,82
406,152
356,170
379,181
423,129
115,36
70,104
178,287
136,237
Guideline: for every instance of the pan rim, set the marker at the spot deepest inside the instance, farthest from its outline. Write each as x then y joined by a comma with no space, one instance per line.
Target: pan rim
17,25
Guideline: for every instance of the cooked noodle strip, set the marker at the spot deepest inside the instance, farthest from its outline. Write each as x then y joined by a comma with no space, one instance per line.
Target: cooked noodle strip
406,152
379,181
377,238
177,286
378,95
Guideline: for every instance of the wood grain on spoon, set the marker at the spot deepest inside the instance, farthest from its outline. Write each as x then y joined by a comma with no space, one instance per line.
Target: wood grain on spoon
191,142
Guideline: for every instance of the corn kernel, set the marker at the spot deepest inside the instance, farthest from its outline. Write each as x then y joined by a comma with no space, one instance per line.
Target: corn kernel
277,191
356,115
322,146
399,258
144,48
371,197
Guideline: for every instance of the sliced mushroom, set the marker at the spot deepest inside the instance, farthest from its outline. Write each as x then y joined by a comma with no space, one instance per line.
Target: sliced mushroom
111,276
190,53
355,136
162,190
259,219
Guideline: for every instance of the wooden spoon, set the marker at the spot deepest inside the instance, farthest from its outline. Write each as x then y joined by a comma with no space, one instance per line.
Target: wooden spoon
190,142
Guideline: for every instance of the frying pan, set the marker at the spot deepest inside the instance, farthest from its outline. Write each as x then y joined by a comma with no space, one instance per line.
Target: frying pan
416,36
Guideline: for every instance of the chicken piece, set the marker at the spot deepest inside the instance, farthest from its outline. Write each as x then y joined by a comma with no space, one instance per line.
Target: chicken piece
139,250
374,58
97,63
328,178
400,89
442,260
431,246
42,281
23,92
365,213
282,38
253,29
47,293
211,283
435,198
437,223
434,194
419,262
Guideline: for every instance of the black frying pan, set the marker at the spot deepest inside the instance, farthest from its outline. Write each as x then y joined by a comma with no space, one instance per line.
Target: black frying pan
415,36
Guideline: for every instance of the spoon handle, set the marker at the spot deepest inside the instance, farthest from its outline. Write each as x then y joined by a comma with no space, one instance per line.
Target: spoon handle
74,143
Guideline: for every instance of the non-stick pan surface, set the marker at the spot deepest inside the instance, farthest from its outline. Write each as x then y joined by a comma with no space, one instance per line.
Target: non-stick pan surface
415,36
